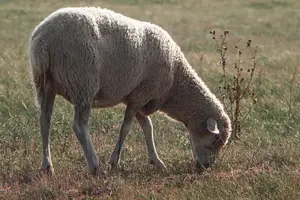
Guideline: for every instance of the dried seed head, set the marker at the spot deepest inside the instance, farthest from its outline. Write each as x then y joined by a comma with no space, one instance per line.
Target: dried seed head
242,79
226,32
254,100
248,70
214,38
239,128
212,32
224,62
225,48
236,47
249,43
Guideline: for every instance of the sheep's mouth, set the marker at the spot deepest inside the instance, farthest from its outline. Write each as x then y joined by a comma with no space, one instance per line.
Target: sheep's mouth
213,145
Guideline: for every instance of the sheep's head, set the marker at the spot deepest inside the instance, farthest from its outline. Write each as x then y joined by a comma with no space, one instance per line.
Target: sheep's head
208,138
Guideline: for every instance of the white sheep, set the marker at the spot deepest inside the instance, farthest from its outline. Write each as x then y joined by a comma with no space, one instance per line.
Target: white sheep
95,57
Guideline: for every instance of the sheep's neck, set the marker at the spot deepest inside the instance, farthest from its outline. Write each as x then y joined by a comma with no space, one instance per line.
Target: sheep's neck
188,96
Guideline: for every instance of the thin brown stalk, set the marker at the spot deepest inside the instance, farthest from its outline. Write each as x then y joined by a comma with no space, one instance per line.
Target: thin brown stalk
291,91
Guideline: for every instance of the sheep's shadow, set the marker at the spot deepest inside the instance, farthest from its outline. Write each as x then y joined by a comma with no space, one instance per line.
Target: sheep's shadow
150,172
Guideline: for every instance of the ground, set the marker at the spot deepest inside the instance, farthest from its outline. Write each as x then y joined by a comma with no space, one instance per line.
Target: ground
264,164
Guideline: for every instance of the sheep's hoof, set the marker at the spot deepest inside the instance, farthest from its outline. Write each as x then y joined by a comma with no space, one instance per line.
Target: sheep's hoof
49,171
113,163
158,164
112,168
97,171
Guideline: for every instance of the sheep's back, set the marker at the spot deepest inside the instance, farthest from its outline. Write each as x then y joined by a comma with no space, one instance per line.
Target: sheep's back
115,52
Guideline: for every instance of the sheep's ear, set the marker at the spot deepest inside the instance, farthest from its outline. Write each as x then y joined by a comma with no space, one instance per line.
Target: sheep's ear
212,126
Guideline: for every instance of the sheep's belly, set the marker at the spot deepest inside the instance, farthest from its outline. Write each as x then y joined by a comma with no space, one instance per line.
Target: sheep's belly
104,103
104,98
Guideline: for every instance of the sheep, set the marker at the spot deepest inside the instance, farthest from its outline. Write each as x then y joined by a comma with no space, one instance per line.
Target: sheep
96,58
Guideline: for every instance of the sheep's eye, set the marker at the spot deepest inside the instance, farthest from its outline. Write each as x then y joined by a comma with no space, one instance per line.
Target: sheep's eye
217,139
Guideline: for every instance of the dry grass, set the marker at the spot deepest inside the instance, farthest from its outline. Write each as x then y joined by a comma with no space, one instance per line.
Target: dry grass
265,164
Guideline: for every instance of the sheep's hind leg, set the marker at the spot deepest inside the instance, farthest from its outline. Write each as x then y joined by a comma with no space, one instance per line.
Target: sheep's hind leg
47,101
125,128
80,128
151,107
146,125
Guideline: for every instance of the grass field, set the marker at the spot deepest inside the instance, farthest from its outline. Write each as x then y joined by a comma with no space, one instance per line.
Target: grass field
265,164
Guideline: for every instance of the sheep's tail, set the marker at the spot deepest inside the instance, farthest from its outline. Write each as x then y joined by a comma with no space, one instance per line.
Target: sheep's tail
39,61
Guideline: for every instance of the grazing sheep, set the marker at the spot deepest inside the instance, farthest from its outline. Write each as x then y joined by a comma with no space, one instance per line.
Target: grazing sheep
95,57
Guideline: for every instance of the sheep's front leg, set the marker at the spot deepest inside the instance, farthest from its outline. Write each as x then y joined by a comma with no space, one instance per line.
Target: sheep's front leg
146,125
125,128
80,128
45,121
